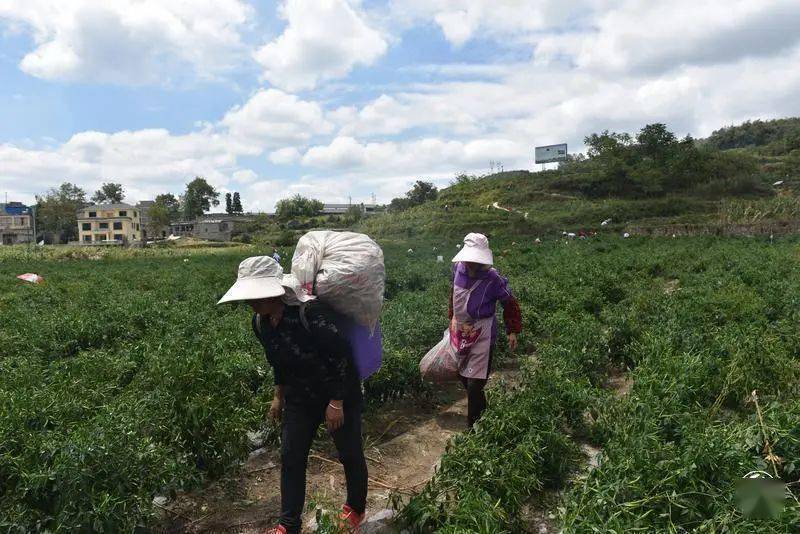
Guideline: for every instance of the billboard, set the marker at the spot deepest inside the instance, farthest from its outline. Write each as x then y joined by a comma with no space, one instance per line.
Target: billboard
550,153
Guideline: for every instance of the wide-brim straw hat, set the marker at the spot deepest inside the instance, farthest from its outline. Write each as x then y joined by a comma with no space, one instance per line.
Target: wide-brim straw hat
261,277
476,250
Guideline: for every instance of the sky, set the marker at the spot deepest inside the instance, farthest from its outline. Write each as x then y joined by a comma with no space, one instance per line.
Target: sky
343,100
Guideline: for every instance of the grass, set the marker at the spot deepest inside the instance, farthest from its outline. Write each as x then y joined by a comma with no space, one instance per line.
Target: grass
120,379
675,446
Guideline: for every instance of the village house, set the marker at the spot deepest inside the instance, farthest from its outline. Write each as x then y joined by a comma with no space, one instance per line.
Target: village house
212,226
342,209
16,223
109,224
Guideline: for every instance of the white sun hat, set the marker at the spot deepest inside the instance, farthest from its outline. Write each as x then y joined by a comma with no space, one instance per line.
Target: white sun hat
476,249
261,277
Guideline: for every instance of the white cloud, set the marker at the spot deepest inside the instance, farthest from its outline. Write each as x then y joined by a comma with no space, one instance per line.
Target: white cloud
462,20
285,156
595,65
345,154
651,37
245,176
128,41
271,118
324,39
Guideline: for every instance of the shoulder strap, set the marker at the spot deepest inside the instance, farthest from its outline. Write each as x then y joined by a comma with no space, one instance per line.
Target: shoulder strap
258,324
303,318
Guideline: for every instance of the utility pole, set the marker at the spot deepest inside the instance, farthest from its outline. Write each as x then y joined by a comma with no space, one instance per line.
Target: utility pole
33,211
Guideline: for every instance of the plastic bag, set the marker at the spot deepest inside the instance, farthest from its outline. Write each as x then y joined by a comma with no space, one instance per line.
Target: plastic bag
440,364
31,277
345,270
366,344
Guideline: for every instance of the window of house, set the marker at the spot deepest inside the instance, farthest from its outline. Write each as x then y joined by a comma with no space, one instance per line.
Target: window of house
135,214
117,225
104,226
86,226
119,237
123,213
137,226
92,214
87,239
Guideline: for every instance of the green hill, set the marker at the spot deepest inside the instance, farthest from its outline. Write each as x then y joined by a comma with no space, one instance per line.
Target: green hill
643,181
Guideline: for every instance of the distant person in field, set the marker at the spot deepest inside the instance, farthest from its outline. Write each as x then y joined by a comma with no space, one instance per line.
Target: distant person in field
276,255
315,381
476,289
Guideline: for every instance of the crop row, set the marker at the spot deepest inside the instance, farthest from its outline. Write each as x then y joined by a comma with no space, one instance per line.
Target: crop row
699,324
121,379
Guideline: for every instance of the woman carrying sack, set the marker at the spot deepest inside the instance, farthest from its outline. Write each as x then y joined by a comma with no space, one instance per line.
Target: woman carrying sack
315,381
476,289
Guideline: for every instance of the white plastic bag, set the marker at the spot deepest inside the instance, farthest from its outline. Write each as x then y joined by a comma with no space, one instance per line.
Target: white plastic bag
440,364
345,270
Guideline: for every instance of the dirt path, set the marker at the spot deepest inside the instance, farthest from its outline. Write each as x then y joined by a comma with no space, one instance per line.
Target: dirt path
404,441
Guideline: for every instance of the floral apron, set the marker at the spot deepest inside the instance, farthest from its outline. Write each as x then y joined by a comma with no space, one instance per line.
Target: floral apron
471,338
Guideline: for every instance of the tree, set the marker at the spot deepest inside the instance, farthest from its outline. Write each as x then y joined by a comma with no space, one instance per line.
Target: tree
354,214
607,143
656,142
297,206
419,194
171,204
198,198
237,203
57,210
422,192
109,193
228,204
158,218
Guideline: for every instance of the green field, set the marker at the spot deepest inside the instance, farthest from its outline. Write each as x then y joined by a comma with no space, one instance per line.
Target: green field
120,380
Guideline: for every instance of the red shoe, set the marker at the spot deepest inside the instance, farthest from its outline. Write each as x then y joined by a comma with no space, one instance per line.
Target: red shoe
350,519
280,529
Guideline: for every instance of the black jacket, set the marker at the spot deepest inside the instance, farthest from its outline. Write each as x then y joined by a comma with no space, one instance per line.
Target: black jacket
315,363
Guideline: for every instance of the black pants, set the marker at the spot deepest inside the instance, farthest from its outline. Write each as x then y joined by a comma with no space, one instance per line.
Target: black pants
300,423
476,398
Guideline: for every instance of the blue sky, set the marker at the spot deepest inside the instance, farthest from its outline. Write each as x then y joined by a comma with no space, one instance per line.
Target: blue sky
347,98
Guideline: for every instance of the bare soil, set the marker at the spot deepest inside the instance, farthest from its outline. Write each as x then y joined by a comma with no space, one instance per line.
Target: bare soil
404,441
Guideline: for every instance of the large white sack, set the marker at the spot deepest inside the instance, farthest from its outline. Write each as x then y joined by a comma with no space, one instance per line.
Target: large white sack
349,272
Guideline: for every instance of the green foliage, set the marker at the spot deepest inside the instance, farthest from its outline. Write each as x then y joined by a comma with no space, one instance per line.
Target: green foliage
417,195
297,206
118,384
109,193
198,198
353,215
673,448
56,211
171,204
237,203
158,218
784,133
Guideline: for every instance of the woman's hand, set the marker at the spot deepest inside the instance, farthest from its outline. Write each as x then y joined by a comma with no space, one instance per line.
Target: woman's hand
276,408
334,415
512,341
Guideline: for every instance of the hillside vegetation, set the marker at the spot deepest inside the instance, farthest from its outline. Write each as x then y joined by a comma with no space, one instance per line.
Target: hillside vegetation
650,179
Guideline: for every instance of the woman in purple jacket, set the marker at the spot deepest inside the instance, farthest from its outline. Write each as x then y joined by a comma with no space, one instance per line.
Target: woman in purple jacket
476,289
